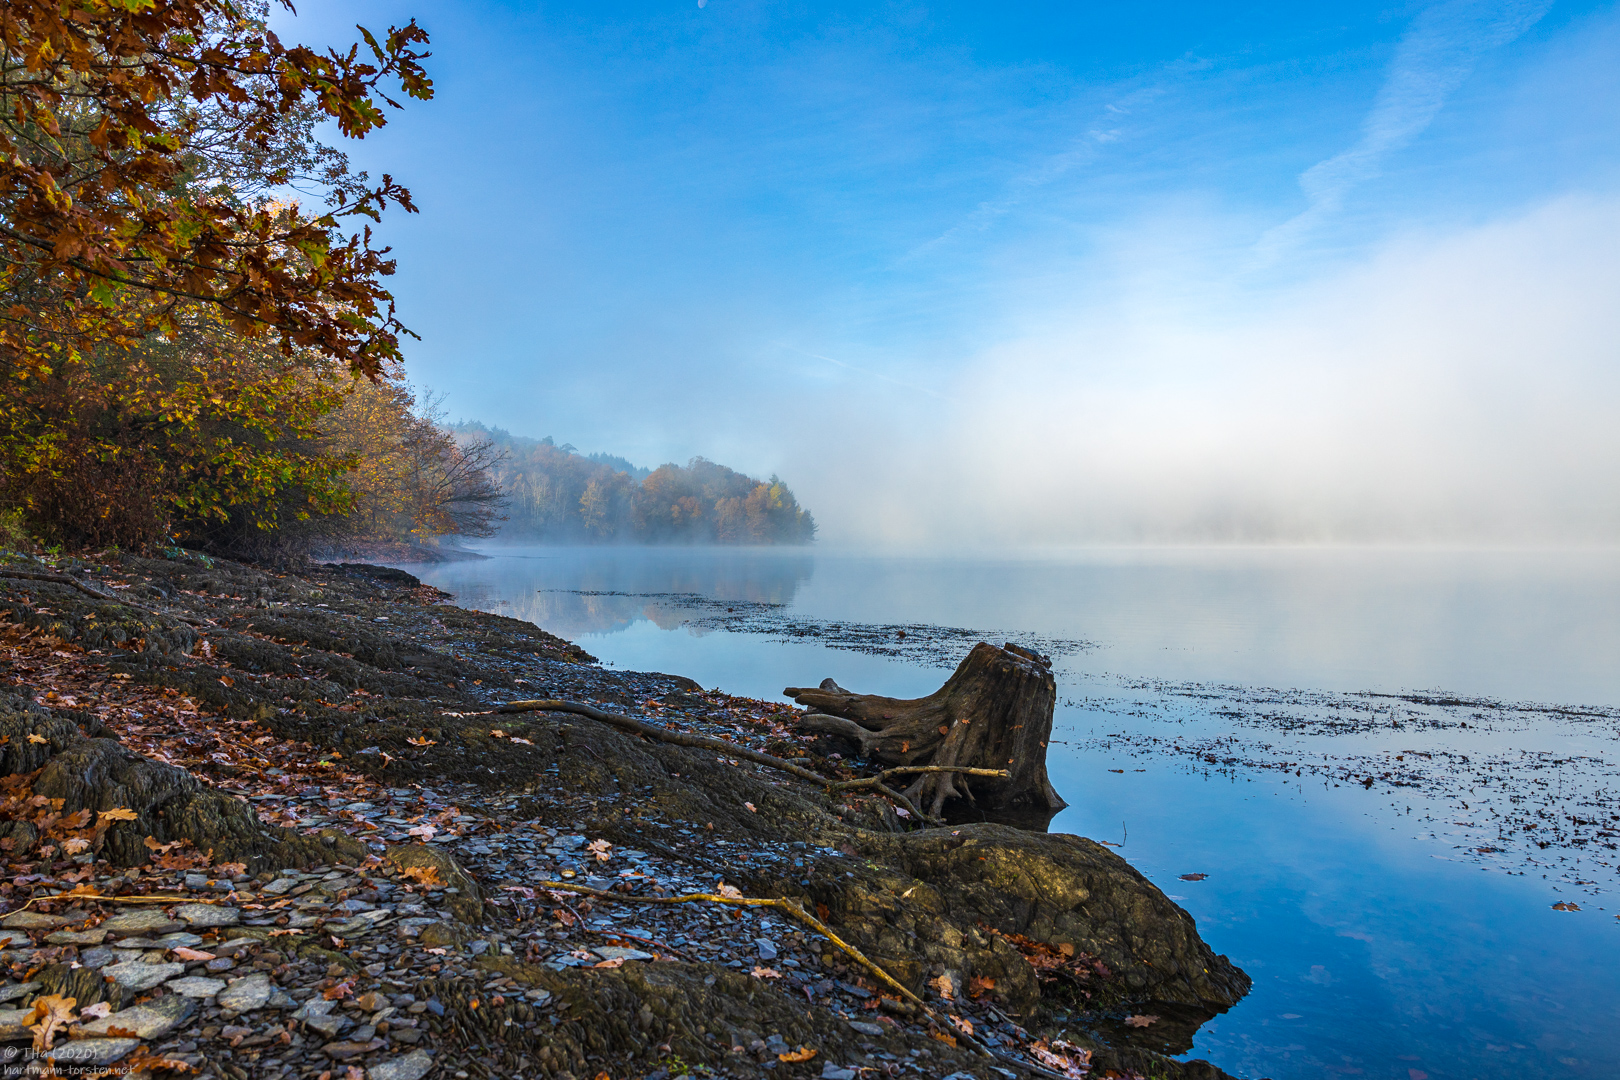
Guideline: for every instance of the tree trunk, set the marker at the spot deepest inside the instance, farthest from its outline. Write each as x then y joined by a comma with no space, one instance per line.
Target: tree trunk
995,712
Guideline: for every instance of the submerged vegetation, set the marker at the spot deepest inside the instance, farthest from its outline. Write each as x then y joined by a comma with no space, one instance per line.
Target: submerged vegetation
557,495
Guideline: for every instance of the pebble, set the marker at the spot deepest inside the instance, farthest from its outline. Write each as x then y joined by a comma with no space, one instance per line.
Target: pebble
76,937
767,948
615,952
139,975
830,1071
865,1028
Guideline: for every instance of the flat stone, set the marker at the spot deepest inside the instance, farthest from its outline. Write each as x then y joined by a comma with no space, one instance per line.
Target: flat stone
829,1071
97,957
866,1029
138,975
152,1020
615,952
280,886
92,1051
33,920
76,937
208,914
219,964
177,939
14,1022
413,1066
147,921
245,995
195,986
342,1051
17,990
766,947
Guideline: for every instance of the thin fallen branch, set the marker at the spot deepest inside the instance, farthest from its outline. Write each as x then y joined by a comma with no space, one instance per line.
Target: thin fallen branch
704,742
152,899
798,914
679,738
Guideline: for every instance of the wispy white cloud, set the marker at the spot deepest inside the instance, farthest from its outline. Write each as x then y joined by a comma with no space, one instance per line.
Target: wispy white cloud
1433,59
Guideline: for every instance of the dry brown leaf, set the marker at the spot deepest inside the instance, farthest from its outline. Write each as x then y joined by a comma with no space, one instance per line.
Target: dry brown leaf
803,1053
766,973
122,813
1141,1021
980,985
50,1014
946,987
424,875
417,740
617,961
948,1040
95,1012
730,892
186,953
37,738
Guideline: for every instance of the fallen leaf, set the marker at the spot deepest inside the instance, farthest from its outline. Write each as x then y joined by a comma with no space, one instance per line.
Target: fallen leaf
751,808
342,990
226,680
617,961
121,813
1140,1021
1564,905
497,733
186,953
948,1040
437,952
95,1012
979,985
37,739
1193,877
417,740
521,742
946,988
965,1026
766,973
50,1014
73,845
279,933
730,892
803,1053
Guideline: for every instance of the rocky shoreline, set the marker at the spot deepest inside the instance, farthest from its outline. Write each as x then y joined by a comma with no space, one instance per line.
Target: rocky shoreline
271,823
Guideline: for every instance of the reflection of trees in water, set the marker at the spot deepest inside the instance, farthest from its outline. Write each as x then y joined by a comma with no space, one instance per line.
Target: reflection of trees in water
605,591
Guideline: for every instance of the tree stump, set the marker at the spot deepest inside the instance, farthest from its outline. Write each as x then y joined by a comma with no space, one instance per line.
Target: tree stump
995,712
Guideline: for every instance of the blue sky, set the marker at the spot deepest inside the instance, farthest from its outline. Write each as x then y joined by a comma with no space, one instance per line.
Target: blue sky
1063,273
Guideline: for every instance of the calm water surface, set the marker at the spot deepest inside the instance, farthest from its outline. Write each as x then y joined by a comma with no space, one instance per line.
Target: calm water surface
1382,942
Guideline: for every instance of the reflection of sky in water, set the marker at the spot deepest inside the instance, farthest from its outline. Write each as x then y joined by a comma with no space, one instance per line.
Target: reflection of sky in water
1379,944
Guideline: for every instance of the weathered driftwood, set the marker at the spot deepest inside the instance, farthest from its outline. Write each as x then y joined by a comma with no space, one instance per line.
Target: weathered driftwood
994,713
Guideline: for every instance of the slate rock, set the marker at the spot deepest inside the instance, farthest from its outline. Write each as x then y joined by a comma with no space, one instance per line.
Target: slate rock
245,995
138,975
280,886
195,986
412,1066
175,940
33,920
76,937
153,1020
615,952
866,1029
343,1051
829,1071
146,921
92,1051
766,947
208,914
17,990
14,1023
98,957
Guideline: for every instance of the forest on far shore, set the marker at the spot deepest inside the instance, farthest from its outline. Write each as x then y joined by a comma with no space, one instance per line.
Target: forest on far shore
554,494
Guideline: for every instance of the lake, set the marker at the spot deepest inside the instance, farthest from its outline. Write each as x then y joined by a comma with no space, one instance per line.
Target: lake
1390,764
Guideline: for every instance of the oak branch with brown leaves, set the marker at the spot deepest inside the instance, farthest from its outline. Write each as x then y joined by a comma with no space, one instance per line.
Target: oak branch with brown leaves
111,110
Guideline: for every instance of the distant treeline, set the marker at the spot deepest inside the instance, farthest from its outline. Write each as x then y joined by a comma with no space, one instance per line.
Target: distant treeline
556,495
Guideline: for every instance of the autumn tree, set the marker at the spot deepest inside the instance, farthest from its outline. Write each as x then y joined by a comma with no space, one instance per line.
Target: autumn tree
185,270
